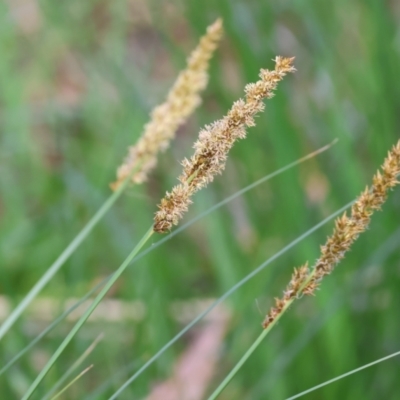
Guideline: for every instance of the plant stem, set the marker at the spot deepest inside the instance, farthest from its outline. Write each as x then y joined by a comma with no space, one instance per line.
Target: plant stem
88,312
263,334
72,382
72,368
248,353
344,375
229,377
63,257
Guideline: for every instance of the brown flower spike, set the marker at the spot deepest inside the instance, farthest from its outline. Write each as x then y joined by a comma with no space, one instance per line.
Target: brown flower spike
214,143
346,231
181,101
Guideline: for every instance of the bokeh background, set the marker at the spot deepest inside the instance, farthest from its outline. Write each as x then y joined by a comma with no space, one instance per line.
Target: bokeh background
77,82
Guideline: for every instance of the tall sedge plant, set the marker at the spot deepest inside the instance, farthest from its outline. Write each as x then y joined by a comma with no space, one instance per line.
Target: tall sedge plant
214,143
211,151
305,280
166,118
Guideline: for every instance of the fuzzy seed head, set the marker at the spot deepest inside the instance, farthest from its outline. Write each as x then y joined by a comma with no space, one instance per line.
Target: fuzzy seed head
346,231
215,142
182,100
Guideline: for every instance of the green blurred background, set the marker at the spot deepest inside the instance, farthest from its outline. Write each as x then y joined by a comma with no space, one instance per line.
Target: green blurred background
77,82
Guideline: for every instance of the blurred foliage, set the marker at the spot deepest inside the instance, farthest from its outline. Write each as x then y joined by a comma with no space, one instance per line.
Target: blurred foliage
77,82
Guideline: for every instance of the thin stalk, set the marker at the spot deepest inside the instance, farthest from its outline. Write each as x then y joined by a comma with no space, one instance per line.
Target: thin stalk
58,263
98,391
88,312
52,326
248,353
257,342
72,382
344,375
72,369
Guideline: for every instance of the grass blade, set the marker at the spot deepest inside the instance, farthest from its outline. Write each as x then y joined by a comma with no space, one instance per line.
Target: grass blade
237,367
344,375
73,367
63,257
52,326
72,382
86,315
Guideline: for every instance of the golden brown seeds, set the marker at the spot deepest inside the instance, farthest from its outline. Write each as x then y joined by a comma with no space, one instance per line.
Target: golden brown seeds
165,119
346,231
214,143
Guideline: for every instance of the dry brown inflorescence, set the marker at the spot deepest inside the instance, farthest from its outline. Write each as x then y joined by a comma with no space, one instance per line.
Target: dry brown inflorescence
166,118
346,231
214,143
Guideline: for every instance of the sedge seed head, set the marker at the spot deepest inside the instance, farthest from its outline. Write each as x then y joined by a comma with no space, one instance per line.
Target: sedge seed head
215,142
182,100
346,231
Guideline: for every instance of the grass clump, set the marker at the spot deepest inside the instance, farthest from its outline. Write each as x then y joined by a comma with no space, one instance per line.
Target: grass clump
80,85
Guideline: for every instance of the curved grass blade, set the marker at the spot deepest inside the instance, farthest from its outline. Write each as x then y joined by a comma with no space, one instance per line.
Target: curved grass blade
72,382
52,325
62,258
119,375
87,313
72,369
344,375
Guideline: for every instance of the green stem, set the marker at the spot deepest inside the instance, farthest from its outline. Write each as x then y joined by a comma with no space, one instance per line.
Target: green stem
263,334
9,322
72,382
344,375
236,368
72,369
88,312
248,353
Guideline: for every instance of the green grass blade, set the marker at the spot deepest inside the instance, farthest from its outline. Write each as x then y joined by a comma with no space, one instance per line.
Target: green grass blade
248,353
52,326
72,382
72,369
120,374
239,365
344,375
82,235
225,296
86,315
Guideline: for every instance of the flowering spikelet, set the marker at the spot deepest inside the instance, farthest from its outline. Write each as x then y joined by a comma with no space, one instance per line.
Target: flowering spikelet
346,231
166,118
214,143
